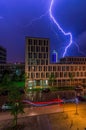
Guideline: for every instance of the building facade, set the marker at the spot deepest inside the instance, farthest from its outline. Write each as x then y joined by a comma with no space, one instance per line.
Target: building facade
73,60
38,68
3,55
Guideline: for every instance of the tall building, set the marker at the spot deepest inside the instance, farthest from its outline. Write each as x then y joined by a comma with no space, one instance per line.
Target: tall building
3,55
37,54
54,56
39,69
37,51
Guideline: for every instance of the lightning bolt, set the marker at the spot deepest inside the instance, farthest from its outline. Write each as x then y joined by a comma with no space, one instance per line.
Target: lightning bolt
49,12
36,19
79,49
59,27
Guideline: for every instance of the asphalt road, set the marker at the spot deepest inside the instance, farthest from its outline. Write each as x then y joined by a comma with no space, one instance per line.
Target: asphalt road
35,111
54,117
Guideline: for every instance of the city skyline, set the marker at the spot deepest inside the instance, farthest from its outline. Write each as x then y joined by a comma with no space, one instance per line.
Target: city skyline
32,18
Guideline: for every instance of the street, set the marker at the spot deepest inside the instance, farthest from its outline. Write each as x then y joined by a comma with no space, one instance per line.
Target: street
35,111
53,117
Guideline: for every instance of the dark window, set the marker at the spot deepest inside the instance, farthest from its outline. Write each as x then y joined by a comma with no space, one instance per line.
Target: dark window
46,62
46,49
42,49
35,42
42,62
30,41
37,49
40,42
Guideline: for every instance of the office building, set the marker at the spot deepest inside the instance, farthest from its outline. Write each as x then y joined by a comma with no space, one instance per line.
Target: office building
3,55
38,68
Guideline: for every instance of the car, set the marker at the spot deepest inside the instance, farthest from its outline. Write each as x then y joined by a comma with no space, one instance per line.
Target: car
69,100
78,88
45,90
81,98
6,107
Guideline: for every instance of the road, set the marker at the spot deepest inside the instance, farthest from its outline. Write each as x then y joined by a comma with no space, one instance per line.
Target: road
35,111
54,117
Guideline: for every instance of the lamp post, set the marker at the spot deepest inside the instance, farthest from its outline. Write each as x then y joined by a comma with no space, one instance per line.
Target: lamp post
76,101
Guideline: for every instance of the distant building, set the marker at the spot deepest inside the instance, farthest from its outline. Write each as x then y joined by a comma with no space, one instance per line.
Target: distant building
3,55
70,71
54,56
73,60
12,68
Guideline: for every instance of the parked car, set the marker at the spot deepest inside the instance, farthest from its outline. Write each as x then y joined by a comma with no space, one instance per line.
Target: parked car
79,88
69,100
6,107
81,98
45,90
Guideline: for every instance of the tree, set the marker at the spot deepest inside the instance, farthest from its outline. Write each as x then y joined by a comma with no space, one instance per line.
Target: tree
52,79
71,77
5,84
15,77
15,98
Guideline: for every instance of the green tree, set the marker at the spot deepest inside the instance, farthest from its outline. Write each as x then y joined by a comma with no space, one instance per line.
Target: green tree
71,76
52,79
15,98
26,78
15,77
6,82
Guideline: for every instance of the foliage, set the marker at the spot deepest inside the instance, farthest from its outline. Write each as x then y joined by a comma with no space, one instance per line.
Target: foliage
15,98
6,79
71,76
20,77
52,79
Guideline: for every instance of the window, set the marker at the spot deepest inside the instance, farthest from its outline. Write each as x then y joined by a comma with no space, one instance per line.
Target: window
42,62
38,62
42,75
40,42
40,55
46,62
29,41
32,48
46,49
63,68
40,68
37,75
47,75
37,49
54,68
42,49
35,42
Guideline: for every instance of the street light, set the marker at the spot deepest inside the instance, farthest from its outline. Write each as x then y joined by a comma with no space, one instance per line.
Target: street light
76,101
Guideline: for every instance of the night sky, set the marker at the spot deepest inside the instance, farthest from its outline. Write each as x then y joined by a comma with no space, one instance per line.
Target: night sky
20,18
